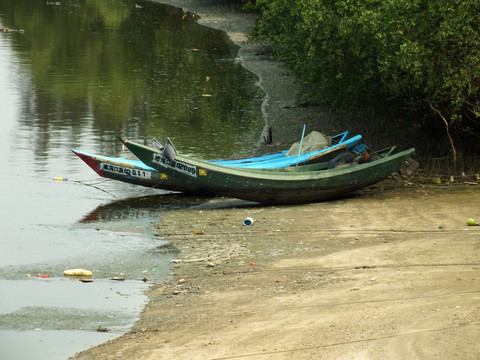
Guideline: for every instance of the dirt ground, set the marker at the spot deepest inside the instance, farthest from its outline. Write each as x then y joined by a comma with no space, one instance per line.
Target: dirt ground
391,272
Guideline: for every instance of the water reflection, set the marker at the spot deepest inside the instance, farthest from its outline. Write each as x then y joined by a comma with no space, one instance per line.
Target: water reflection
138,68
143,207
81,73
150,206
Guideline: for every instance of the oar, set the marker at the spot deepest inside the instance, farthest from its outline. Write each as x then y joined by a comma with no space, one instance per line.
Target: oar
301,141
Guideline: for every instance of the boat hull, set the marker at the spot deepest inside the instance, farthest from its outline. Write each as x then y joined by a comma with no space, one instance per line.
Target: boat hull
268,186
137,173
130,171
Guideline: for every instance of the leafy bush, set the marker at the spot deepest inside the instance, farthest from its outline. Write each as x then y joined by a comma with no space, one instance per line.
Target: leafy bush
417,56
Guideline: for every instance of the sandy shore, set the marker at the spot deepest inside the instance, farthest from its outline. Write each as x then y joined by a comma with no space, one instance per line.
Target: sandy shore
389,273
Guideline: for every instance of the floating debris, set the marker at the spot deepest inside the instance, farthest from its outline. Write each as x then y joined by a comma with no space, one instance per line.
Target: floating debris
77,272
43,276
102,328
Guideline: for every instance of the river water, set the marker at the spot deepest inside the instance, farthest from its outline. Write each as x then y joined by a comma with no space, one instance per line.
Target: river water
76,74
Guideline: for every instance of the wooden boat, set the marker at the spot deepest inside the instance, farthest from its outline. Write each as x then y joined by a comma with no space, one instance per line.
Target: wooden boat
125,170
274,186
137,173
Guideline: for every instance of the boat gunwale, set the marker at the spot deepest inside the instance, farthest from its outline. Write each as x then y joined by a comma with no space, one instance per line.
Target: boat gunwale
267,174
118,160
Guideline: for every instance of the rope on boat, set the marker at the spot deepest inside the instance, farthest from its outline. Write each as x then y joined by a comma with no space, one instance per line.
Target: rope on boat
93,183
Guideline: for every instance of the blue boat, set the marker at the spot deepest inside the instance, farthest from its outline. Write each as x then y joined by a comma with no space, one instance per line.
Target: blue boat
339,142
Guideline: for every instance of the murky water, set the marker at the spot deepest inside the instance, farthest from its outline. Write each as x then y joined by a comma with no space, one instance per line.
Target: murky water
77,75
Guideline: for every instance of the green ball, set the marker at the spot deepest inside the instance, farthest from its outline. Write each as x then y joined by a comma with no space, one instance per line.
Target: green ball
471,222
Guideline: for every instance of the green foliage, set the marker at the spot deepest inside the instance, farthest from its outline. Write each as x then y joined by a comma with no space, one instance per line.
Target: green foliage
422,56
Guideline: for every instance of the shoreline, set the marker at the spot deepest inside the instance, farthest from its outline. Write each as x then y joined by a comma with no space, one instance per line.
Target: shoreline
389,272
279,110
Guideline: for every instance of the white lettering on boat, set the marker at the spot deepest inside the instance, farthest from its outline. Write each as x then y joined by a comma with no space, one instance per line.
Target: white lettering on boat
190,170
122,170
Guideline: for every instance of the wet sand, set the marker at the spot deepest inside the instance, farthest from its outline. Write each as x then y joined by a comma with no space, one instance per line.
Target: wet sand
391,272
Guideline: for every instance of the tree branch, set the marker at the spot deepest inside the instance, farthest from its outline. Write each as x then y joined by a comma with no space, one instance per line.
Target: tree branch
448,133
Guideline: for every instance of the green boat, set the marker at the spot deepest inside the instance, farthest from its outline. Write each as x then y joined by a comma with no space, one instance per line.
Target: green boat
136,172
291,185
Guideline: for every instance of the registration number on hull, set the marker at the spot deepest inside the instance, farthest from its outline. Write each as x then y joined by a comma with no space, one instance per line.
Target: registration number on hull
177,165
122,170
